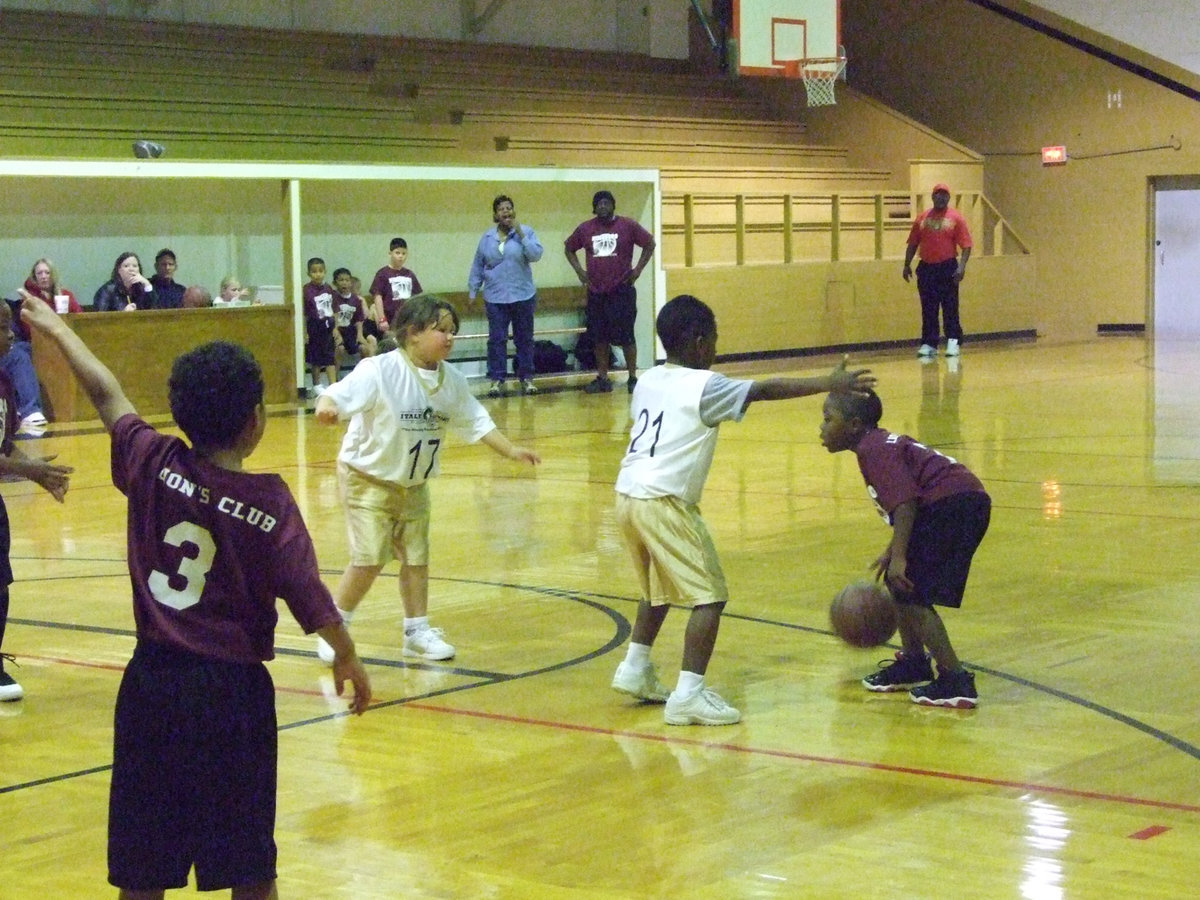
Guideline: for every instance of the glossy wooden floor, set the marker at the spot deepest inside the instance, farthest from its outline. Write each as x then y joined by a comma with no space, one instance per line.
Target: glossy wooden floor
515,772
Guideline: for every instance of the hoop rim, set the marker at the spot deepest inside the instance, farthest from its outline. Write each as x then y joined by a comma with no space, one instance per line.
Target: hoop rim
807,67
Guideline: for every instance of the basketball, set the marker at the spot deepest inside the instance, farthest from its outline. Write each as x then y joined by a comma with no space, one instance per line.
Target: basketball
863,614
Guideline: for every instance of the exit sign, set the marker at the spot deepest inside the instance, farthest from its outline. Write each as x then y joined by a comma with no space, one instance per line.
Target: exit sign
1054,156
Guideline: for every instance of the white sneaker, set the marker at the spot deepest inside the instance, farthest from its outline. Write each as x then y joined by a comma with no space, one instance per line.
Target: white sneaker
427,643
35,418
9,689
641,683
496,389
952,347
705,707
325,651
31,429
927,350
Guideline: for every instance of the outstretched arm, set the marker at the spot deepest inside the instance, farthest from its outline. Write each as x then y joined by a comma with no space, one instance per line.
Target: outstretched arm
101,385
38,469
502,445
840,380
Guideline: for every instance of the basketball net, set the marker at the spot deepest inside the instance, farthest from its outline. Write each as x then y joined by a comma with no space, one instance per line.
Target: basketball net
819,77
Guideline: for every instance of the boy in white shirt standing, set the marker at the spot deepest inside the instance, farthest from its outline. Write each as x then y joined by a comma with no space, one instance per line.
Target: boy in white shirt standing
676,410
399,405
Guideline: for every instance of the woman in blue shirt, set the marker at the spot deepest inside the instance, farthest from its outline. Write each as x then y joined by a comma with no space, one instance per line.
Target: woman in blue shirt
502,268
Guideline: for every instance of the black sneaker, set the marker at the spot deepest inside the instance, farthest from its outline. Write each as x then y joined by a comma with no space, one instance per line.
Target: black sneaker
900,674
599,386
9,689
631,384
955,690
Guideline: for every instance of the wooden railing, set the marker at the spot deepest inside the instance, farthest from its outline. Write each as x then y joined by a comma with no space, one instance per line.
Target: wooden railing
791,227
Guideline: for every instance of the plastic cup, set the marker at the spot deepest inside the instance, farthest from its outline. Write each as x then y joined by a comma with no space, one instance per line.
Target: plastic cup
62,303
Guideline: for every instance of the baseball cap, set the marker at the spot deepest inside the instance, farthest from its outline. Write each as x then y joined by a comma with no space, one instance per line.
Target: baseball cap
940,186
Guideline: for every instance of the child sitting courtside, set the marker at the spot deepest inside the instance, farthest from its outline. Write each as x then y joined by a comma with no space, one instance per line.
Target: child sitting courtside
939,513
676,409
399,404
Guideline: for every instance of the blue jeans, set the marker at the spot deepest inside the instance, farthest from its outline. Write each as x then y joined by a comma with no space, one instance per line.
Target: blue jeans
18,363
500,316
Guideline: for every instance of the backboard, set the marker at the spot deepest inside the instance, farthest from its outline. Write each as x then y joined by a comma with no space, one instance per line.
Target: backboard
771,33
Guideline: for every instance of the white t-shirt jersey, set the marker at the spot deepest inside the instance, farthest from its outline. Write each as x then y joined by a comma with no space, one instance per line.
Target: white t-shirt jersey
399,415
676,411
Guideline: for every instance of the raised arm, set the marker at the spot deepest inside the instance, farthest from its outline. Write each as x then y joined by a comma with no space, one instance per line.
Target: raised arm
101,385
840,380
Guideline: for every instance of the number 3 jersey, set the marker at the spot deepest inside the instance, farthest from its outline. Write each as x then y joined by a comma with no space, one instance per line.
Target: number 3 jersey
676,411
210,549
399,415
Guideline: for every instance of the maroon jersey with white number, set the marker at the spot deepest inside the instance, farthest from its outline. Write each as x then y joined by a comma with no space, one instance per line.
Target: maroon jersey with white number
898,469
395,286
210,550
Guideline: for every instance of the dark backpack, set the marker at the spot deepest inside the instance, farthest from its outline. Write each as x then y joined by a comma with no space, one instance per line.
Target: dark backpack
548,358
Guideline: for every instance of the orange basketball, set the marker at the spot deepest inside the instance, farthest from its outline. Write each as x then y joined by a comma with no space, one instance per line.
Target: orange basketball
863,614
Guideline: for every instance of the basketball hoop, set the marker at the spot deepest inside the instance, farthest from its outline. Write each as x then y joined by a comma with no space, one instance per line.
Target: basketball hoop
819,77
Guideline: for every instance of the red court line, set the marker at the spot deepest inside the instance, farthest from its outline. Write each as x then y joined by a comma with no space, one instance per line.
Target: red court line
1026,786
1146,833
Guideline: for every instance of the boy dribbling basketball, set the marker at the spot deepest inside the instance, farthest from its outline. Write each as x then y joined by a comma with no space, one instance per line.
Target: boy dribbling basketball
939,513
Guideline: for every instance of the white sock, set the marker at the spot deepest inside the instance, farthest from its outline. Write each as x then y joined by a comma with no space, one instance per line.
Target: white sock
415,624
638,655
347,616
689,684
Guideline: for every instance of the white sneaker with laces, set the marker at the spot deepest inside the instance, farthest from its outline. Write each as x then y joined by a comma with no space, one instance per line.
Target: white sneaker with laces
927,350
952,347
641,683
496,390
428,643
705,707
35,418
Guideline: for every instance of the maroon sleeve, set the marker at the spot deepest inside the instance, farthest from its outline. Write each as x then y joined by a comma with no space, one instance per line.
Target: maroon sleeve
576,241
380,285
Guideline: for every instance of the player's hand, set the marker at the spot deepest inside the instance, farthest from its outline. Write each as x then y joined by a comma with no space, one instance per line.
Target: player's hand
351,669
524,454
843,381
53,479
895,577
35,311
326,411
960,273
907,273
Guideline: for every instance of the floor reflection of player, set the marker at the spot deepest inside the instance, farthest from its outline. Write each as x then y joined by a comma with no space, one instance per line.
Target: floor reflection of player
938,422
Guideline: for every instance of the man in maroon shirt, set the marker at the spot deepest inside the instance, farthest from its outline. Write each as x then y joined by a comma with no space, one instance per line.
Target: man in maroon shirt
608,241
210,546
939,513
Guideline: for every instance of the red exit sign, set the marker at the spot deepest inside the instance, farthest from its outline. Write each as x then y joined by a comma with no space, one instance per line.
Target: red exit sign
1054,156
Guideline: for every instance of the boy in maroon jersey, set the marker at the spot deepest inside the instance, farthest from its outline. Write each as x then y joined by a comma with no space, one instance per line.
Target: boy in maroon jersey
393,285
939,513
210,548
39,470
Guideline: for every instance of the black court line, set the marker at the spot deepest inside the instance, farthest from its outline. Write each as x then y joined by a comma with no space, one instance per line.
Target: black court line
594,601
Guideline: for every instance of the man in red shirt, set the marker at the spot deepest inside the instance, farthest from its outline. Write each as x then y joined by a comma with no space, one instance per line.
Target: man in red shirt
938,234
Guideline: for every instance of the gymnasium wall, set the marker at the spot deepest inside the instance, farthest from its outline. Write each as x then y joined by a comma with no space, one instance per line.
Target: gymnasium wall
652,27
1006,90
